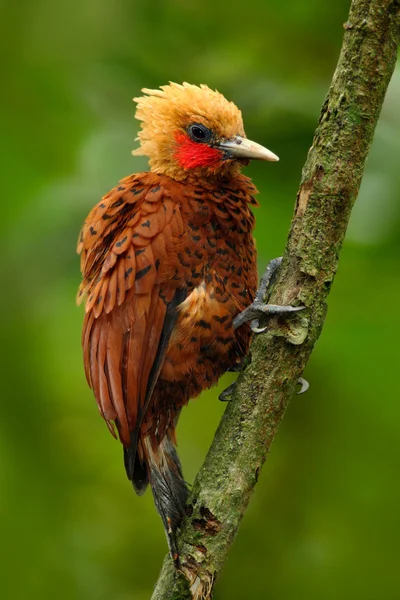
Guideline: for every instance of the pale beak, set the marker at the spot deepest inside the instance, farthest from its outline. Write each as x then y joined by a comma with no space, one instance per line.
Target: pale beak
240,147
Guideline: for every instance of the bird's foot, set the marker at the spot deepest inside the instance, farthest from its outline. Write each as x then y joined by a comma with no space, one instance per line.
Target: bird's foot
259,307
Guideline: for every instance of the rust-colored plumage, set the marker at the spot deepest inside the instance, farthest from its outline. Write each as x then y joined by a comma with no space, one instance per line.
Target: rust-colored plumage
168,260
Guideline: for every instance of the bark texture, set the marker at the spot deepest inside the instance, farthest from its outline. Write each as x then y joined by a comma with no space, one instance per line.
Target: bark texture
329,186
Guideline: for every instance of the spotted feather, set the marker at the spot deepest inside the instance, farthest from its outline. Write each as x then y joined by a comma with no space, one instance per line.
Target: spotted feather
126,279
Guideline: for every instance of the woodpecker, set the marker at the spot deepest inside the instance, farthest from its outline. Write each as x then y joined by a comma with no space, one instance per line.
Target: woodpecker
169,274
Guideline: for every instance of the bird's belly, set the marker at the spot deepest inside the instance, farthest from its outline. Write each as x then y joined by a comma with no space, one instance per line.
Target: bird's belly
201,345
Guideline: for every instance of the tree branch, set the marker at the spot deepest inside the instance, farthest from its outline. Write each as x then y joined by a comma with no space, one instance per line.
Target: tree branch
330,182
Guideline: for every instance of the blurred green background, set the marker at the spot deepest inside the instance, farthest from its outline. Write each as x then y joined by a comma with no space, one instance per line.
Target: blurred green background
323,523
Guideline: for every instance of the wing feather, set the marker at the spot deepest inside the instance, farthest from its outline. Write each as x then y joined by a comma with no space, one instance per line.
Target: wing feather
104,397
155,320
98,306
94,295
133,400
123,242
130,268
114,354
109,262
121,290
111,297
145,273
133,281
86,333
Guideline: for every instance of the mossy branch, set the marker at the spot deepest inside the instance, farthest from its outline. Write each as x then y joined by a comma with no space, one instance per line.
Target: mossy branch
330,182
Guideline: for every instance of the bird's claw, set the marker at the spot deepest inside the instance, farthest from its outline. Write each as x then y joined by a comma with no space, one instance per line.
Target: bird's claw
304,385
226,395
272,309
258,309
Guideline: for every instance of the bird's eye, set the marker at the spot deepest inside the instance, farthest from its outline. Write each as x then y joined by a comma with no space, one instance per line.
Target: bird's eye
199,133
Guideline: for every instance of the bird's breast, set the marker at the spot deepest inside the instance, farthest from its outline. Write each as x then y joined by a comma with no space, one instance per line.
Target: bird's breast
219,261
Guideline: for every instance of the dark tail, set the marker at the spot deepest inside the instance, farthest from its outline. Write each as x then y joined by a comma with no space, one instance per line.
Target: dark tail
135,468
162,468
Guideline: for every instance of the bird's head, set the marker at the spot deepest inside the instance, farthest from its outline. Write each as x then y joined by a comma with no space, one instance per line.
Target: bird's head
189,131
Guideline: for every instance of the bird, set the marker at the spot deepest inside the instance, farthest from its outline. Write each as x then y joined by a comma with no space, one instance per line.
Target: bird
169,275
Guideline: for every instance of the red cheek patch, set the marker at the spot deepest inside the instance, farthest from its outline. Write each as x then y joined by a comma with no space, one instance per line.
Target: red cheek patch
192,154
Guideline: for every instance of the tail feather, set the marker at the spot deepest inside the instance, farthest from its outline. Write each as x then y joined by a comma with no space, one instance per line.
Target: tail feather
168,486
136,470
162,468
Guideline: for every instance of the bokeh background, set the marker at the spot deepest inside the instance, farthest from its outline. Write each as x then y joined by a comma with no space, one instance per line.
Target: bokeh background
324,520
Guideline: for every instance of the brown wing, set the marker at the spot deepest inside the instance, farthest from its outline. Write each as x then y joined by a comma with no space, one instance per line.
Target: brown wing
133,281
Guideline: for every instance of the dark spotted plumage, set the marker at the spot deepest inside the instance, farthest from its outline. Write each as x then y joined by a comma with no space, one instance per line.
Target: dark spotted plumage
133,263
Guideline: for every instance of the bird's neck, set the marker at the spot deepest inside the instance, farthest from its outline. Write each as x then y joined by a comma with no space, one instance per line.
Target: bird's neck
238,187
